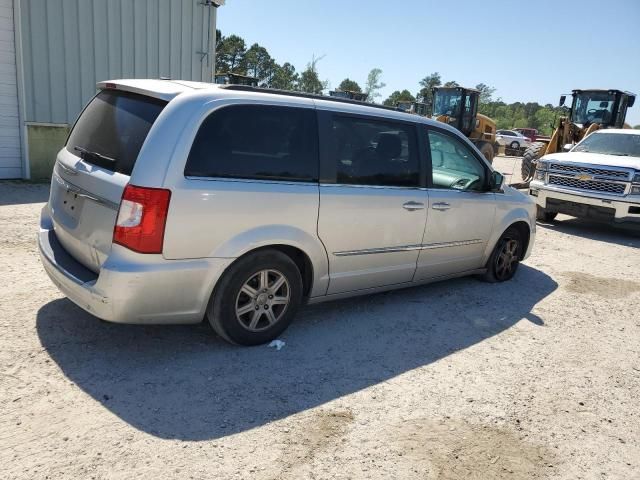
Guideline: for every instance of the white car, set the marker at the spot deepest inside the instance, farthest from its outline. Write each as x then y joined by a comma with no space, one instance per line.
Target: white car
512,139
599,178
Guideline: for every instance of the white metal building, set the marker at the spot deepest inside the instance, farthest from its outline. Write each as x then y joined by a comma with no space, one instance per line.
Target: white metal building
52,53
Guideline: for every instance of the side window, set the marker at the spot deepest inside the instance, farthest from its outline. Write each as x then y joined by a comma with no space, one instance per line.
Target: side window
454,165
256,142
372,152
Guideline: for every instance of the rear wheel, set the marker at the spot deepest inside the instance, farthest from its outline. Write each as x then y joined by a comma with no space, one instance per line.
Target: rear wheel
545,215
529,159
487,150
505,258
256,299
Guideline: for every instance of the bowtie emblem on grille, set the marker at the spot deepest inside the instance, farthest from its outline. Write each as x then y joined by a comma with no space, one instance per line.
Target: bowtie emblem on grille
584,176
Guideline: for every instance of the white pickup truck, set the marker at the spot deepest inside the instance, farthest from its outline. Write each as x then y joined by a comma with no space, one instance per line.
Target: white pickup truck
599,178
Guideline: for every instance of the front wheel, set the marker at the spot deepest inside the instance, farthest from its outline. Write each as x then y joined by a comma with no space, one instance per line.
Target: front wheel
505,258
256,299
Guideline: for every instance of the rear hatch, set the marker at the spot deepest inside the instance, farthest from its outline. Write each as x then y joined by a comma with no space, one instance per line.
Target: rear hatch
93,169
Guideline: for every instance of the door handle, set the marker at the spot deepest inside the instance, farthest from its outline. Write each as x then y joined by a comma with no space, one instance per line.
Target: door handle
411,206
441,206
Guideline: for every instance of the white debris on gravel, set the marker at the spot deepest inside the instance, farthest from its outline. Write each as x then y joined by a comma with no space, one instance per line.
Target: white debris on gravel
279,344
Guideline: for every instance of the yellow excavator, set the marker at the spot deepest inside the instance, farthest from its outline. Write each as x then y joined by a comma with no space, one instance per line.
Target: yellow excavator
458,107
590,110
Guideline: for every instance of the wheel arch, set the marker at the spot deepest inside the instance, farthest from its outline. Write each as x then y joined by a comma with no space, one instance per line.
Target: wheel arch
518,218
306,251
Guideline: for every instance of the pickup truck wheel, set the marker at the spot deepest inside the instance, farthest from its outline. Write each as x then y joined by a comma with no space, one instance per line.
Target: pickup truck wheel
505,258
256,299
545,215
531,155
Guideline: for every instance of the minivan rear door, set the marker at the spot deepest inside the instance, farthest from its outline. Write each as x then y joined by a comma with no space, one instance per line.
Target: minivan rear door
93,168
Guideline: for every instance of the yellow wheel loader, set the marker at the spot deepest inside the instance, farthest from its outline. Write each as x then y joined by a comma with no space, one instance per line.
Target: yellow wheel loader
458,107
590,110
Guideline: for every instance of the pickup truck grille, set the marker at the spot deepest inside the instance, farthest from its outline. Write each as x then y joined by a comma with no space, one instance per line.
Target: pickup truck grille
583,169
589,185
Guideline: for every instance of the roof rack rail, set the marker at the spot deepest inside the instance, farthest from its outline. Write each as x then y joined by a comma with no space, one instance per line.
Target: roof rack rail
313,96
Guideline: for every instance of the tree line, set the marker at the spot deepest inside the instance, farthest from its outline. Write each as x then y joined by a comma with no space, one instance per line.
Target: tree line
233,56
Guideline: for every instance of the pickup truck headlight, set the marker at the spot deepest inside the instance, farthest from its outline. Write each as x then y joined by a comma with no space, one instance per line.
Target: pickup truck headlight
636,178
541,170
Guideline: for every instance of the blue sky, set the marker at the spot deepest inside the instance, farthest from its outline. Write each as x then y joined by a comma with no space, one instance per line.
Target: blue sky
528,51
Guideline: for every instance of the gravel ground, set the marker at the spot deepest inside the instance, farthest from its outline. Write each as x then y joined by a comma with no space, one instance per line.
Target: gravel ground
535,378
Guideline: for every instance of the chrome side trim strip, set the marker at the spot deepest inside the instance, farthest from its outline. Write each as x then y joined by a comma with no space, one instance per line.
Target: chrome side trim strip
406,248
371,251
460,243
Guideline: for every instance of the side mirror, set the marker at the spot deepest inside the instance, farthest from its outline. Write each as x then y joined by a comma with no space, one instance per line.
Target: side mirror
563,98
567,147
631,101
495,181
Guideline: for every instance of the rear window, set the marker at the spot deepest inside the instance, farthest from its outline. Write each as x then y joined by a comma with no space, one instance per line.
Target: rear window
256,142
114,126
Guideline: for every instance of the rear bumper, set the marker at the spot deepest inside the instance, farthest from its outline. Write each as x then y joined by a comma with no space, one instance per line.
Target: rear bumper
130,287
619,210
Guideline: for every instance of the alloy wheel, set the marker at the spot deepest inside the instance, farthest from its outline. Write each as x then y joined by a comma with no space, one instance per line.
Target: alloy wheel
507,259
262,300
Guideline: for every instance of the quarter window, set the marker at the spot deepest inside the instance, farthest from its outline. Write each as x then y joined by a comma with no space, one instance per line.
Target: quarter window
453,164
256,142
372,152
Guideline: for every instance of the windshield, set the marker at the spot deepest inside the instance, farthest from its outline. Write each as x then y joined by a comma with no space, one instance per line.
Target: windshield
593,107
623,144
447,103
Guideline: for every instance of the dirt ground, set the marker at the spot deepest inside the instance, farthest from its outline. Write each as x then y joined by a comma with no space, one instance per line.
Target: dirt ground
534,378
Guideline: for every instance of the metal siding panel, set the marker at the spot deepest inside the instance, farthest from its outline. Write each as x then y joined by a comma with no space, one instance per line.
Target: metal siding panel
152,39
199,11
176,38
164,39
10,154
57,66
27,63
140,38
186,46
74,98
40,61
100,40
114,34
128,56
86,63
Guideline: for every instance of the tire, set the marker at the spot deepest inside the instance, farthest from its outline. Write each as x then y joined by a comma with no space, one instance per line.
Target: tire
545,215
529,159
514,146
487,150
267,308
505,258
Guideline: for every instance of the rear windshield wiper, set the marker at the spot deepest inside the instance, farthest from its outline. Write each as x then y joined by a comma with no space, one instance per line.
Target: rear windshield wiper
95,158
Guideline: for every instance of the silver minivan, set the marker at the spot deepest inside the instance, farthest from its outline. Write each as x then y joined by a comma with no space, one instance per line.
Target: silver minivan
178,201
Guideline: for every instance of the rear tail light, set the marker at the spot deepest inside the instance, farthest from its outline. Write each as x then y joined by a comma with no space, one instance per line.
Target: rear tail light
142,218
